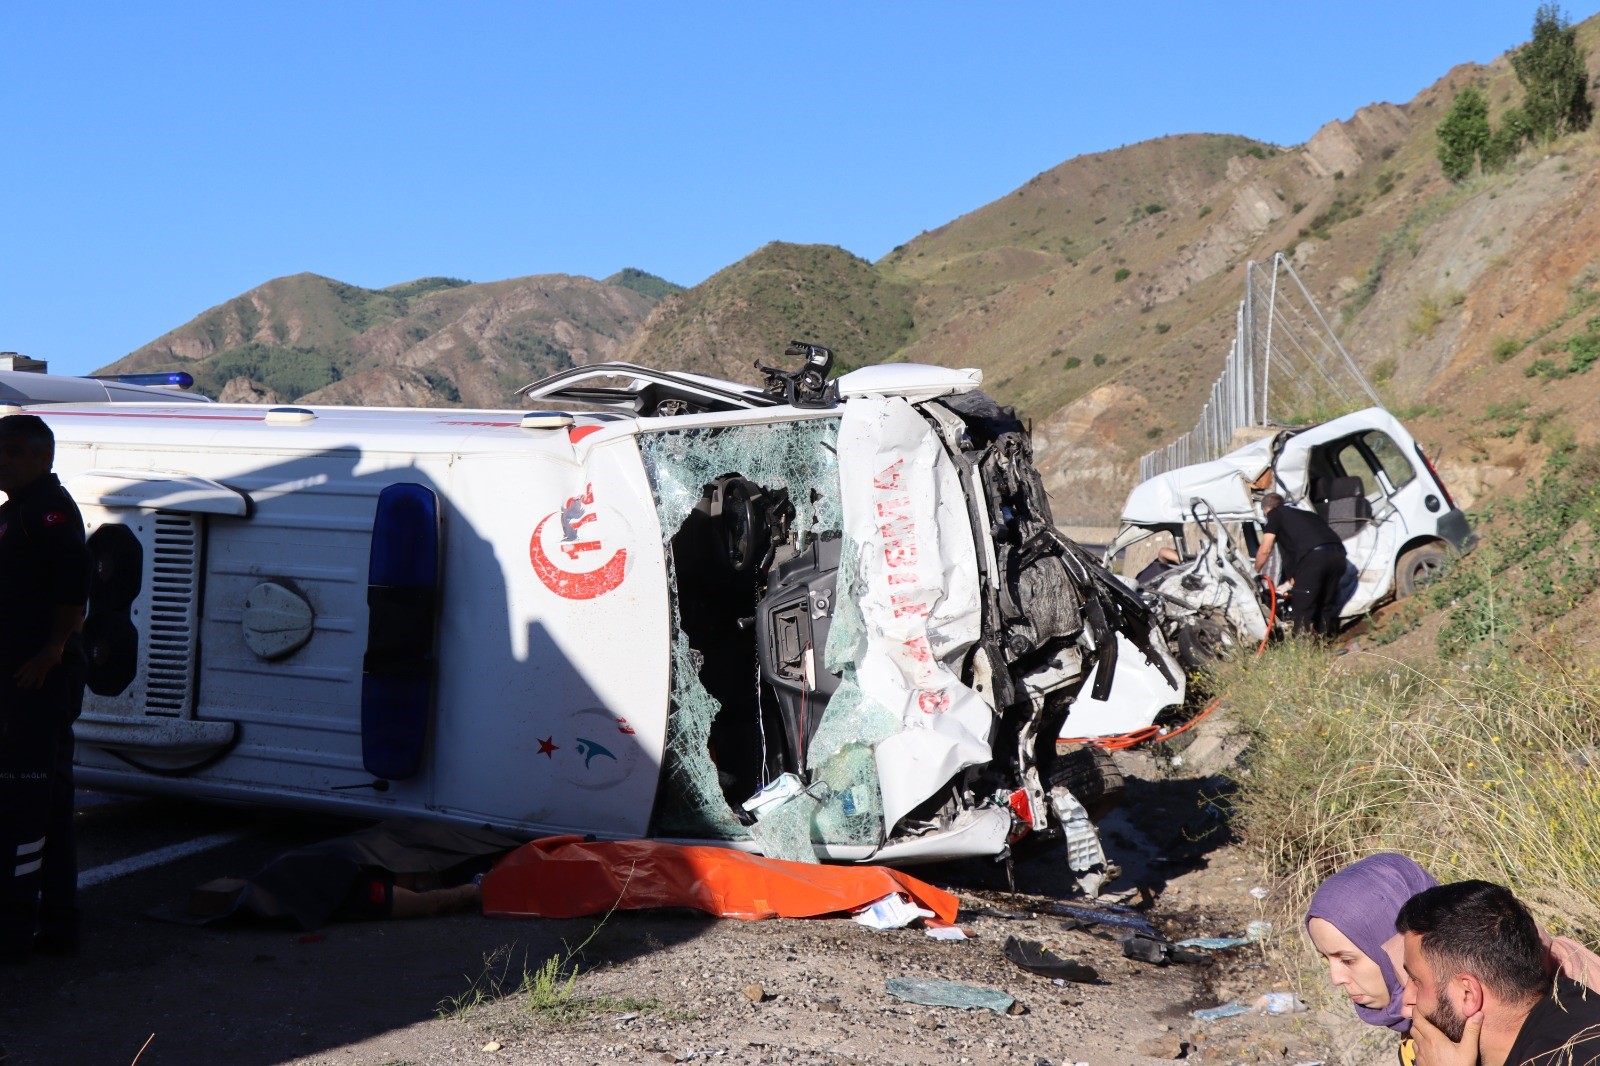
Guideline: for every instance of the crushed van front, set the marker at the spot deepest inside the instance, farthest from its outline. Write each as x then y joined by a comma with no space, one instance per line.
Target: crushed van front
880,633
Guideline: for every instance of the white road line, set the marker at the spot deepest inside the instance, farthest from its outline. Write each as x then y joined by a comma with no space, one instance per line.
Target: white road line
159,856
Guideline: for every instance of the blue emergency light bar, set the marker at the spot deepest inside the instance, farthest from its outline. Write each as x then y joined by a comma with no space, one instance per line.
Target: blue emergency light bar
176,379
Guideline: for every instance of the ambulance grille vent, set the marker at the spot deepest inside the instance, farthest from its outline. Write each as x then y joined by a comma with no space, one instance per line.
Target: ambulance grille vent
171,640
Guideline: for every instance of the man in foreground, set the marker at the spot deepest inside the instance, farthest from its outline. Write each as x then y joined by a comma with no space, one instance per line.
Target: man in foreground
44,586
1476,989
1313,558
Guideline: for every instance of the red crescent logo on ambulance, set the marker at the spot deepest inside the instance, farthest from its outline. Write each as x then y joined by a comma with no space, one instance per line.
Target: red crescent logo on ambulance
568,565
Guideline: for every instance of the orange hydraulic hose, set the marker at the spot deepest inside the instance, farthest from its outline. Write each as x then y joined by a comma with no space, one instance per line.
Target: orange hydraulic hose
1272,617
1124,741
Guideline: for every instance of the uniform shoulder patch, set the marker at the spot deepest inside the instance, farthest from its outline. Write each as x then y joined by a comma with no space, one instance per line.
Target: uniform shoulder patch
53,518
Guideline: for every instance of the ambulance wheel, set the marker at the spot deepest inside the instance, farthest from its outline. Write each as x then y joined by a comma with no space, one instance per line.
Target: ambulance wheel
1417,567
1201,644
1092,776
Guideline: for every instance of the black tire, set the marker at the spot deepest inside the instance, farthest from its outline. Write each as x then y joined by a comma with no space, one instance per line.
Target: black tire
1417,567
1092,776
1201,644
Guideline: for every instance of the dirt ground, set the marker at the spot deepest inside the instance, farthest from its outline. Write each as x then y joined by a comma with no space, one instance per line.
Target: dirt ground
670,987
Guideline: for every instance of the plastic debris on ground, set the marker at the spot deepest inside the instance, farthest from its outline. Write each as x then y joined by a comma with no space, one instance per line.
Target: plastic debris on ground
1159,951
944,932
1254,933
1269,1003
1226,1010
1277,1003
1034,957
1213,943
932,992
568,877
890,912
1260,893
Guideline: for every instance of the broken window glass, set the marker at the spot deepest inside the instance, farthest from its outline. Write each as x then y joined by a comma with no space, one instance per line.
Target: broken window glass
722,742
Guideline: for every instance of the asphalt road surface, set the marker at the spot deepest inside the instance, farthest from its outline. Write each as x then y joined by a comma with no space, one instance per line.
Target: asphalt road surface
240,994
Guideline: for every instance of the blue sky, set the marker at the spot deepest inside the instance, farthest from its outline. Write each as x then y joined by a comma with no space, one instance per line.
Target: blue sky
161,158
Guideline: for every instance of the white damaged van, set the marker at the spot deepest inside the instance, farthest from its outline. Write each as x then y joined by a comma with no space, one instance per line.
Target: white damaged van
1362,473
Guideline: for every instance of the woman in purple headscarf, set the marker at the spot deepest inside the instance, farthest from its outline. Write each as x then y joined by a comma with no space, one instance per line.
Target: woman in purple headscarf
1351,922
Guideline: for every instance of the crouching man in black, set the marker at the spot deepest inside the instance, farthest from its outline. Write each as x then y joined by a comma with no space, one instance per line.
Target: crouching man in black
44,583
1476,988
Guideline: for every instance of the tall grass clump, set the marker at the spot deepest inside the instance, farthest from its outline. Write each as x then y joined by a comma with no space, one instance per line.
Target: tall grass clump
1539,559
1488,770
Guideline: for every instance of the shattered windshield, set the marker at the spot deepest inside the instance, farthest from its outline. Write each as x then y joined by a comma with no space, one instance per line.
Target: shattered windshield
720,740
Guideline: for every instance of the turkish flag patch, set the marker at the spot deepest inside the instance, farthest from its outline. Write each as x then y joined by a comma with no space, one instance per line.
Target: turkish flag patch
54,518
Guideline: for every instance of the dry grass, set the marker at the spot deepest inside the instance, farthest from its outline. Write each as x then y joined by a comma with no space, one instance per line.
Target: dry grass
1489,770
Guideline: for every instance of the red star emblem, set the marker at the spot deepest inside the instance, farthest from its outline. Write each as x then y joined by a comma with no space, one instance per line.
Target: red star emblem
547,749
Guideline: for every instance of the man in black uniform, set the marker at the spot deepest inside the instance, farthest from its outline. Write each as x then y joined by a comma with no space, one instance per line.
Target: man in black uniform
44,585
1313,558
1476,986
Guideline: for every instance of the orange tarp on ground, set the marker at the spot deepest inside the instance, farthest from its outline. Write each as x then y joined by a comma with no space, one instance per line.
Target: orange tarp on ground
566,877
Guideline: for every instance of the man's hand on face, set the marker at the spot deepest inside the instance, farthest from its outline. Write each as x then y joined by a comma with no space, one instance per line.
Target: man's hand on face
32,673
1434,1048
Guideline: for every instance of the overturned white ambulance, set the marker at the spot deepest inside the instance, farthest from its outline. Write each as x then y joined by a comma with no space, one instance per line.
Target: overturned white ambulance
817,619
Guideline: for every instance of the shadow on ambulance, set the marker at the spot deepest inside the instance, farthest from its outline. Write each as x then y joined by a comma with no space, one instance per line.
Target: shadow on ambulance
334,633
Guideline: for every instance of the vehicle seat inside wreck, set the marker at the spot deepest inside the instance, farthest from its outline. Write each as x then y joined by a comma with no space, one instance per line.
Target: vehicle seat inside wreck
1342,503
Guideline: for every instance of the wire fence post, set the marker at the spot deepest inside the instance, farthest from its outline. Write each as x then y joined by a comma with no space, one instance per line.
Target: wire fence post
1314,370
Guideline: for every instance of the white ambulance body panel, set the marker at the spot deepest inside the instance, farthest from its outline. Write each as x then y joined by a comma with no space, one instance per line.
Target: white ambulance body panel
537,716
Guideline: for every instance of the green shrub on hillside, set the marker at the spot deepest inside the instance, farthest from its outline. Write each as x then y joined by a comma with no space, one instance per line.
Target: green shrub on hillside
442,385
1554,77
1508,138
1463,134
1122,274
1342,208
1505,348
1585,347
1543,547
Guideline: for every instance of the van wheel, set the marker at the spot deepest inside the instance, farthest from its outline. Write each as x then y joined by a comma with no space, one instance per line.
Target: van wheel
1092,776
1417,567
